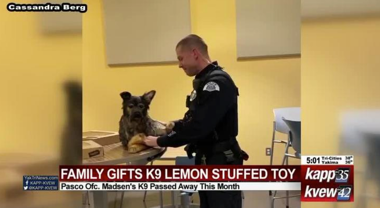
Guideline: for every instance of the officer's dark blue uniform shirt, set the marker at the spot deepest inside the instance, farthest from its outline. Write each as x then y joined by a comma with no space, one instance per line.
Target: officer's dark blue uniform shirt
214,109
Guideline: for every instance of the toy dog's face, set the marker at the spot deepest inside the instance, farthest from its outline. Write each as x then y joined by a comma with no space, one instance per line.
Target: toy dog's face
135,108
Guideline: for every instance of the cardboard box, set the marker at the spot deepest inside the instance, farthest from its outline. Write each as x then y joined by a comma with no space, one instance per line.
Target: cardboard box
91,149
101,137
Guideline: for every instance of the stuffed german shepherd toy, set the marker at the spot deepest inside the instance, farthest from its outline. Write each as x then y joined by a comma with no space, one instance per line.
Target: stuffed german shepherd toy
135,123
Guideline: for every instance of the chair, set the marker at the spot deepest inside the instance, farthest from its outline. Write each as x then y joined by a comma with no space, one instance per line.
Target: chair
186,195
280,126
150,160
294,141
186,201
293,113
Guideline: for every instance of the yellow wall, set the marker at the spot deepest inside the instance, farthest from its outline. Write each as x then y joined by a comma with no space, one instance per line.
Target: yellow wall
263,84
33,67
340,70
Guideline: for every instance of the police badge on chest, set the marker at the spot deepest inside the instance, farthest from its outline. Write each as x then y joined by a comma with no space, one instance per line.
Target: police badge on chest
190,98
193,95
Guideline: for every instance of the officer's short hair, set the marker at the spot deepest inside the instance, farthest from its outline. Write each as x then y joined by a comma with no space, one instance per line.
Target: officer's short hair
195,41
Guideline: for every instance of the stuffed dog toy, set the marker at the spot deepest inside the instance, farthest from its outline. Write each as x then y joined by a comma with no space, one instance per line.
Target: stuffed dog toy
135,123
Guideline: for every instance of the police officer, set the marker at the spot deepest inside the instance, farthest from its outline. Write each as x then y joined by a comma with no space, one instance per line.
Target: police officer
210,126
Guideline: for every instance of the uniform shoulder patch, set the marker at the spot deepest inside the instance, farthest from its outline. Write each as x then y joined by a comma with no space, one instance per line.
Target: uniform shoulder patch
211,86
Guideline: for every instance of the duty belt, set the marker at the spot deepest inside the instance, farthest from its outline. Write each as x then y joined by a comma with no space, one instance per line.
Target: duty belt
230,149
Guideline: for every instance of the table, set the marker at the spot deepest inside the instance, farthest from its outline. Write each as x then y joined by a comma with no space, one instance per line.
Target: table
116,154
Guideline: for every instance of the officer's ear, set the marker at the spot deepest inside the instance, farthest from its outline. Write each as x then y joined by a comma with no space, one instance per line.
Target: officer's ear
149,96
196,53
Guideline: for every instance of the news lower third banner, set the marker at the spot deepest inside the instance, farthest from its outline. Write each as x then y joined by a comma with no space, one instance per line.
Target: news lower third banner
318,178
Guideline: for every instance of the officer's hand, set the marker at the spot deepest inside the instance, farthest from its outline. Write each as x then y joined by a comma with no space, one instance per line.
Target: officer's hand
151,141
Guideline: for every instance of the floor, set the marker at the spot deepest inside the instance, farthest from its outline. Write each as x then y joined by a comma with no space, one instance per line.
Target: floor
253,199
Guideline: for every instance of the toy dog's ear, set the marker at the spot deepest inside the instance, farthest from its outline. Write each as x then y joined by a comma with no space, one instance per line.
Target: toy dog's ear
149,96
125,95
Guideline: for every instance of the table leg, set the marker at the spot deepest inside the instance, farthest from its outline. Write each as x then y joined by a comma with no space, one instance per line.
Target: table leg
173,205
161,199
173,199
